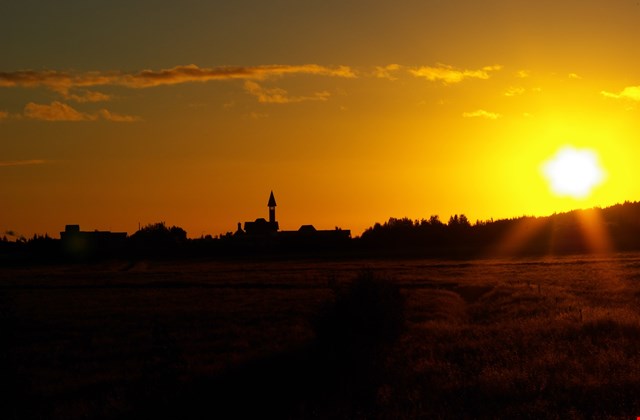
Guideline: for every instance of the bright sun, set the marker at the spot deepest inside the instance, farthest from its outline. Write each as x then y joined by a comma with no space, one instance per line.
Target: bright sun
573,172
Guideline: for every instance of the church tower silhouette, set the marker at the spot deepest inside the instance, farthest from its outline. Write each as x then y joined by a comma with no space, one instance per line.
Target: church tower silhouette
272,208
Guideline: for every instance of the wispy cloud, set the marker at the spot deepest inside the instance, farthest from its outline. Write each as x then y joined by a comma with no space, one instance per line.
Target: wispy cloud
258,115
481,113
386,72
449,75
574,76
4,115
514,91
629,92
64,81
280,96
107,115
523,74
58,111
22,162
85,96
76,86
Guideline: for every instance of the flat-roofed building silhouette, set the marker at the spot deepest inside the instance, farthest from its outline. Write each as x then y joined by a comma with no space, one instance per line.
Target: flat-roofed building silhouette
83,243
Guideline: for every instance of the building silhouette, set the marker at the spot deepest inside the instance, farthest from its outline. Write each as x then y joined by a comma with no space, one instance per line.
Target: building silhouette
79,243
272,208
262,227
269,230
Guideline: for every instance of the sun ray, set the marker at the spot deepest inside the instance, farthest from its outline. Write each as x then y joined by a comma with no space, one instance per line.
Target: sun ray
594,230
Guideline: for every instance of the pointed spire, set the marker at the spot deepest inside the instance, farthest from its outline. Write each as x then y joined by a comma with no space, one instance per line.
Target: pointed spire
272,201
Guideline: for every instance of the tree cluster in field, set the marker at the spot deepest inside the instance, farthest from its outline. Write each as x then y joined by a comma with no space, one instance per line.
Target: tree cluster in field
615,228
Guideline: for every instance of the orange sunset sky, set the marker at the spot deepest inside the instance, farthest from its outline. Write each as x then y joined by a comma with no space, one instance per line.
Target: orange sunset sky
114,113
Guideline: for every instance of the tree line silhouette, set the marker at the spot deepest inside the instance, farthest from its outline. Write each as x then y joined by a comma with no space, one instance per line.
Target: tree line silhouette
615,228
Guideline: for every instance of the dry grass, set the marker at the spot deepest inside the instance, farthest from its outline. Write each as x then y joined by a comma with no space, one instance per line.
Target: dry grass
553,338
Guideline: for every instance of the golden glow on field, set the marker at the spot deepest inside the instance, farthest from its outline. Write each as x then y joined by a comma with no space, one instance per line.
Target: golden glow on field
573,172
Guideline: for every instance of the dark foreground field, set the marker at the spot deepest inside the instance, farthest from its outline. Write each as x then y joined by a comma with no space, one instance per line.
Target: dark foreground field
544,338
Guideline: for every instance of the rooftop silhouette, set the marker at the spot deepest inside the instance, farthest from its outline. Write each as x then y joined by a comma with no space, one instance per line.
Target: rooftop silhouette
269,230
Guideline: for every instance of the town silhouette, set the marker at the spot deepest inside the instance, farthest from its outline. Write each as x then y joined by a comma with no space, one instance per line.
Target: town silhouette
617,229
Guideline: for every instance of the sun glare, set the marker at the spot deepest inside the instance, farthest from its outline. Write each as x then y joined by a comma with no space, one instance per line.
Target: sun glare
573,172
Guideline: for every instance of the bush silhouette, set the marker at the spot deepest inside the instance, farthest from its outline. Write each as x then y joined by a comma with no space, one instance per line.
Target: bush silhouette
354,334
157,239
365,316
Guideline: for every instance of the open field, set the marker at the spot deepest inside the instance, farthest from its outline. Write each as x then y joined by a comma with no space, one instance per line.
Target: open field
539,338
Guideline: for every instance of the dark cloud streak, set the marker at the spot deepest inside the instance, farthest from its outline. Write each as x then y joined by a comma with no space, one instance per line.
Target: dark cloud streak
64,81
22,163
